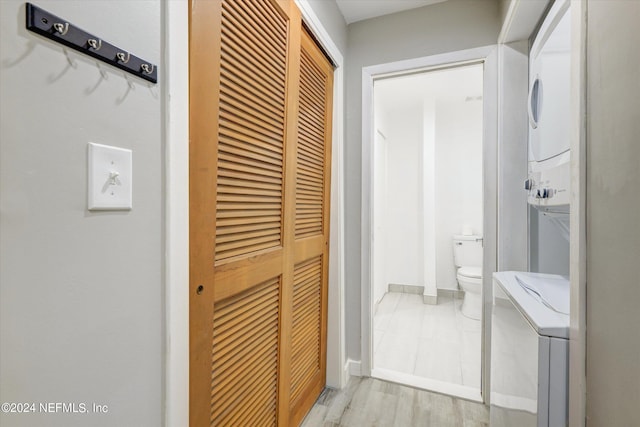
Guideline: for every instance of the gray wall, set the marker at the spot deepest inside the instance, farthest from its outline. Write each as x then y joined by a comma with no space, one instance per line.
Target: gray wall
512,157
440,28
548,249
613,206
503,7
333,21
81,293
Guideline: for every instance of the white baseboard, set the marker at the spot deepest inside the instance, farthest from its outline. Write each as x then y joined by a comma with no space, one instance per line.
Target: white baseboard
345,374
406,289
430,299
451,293
353,368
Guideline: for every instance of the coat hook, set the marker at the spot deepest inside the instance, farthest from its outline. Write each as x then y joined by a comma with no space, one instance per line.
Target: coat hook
95,44
123,57
147,68
61,28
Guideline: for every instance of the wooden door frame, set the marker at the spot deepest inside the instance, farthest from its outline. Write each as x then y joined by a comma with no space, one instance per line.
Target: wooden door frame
175,84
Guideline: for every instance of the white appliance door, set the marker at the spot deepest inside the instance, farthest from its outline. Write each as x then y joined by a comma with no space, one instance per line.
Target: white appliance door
549,89
519,368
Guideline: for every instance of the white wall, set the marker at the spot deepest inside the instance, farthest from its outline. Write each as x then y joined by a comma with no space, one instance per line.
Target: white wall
404,220
380,202
612,206
433,186
429,197
81,293
458,179
444,27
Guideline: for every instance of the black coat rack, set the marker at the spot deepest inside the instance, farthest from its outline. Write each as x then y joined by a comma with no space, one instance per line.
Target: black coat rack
60,30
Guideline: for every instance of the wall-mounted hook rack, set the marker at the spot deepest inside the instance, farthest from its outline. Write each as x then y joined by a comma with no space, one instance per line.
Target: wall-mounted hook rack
60,30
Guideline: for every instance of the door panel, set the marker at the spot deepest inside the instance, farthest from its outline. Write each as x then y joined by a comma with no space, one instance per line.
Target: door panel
245,360
251,129
306,329
313,156
258,213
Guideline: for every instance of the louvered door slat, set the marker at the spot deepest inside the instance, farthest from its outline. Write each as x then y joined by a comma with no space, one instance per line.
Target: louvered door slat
230,383
306,324
270,15
230,89
308,193
262,118
252,409
273,23
226,367
235,217
240,15
306,156
259,60
236,389
310,134
228,225
236,79
313,106
246,65
248,164
311,172
241,179
262,132
234,320
269,65
248,191
237,133
245,228
233,120
255,310
309,138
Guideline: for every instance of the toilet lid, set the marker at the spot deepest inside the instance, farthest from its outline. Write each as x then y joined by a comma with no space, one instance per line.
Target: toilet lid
475,272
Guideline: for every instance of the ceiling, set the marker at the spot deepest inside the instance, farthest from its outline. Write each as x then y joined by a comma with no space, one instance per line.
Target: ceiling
358,10
460,84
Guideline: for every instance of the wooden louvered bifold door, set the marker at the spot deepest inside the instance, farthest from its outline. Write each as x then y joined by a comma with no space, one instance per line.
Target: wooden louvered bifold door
313,154
260,102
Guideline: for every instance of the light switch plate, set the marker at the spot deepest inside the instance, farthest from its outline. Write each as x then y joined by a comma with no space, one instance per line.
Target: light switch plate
110,178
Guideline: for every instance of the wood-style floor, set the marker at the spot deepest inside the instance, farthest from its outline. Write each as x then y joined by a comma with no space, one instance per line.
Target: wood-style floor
368,402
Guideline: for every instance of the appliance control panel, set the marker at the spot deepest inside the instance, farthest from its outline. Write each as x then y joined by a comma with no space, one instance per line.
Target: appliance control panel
549,187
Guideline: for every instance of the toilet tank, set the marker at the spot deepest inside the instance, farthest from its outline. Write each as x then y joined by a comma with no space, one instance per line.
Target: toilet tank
467,250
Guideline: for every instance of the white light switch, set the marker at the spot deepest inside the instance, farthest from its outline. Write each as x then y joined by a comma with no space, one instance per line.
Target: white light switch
110,178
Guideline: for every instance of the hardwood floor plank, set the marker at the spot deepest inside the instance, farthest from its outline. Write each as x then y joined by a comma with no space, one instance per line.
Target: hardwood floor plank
370,402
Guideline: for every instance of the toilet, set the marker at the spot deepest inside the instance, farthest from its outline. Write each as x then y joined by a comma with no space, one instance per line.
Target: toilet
467,257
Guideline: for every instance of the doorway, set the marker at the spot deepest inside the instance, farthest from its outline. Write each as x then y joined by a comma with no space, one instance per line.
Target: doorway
427,190
486,58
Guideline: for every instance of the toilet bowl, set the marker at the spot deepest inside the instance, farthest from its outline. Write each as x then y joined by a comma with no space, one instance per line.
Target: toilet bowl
470,281
467,256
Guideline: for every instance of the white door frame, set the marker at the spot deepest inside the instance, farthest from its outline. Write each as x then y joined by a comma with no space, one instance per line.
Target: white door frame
486,54
175,83
175,80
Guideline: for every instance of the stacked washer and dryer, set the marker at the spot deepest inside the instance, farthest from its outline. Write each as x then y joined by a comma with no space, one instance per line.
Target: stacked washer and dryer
530,316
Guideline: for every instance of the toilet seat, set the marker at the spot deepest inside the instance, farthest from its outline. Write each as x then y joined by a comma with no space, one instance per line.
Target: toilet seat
471,272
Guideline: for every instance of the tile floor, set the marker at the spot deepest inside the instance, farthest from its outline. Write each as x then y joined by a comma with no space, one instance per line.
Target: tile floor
427,346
